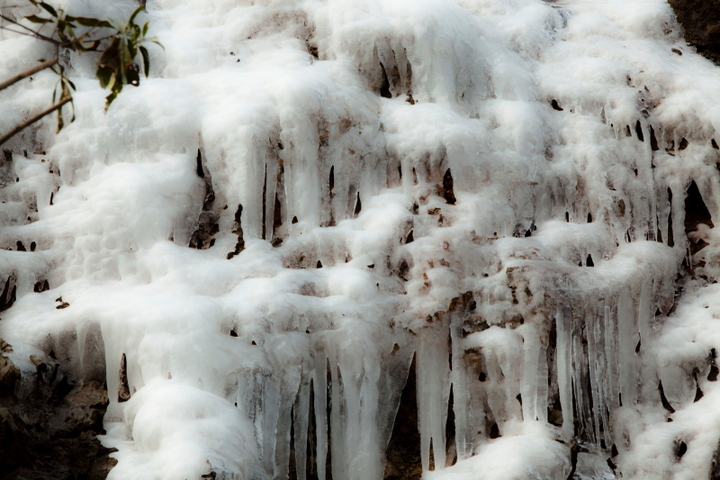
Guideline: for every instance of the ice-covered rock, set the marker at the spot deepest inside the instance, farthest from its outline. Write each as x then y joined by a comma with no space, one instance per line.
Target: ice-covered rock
508,202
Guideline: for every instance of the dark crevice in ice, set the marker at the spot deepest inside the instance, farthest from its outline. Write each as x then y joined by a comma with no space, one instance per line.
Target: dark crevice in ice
124,387
448,191
207,226
403,452
696,213
237,229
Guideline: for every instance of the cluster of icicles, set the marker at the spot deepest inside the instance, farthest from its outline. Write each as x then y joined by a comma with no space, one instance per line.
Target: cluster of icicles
400,197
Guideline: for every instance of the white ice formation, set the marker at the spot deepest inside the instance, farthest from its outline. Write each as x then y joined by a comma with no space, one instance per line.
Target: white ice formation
510,196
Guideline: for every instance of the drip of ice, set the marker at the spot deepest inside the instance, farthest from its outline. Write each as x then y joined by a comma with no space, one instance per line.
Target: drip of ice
509,196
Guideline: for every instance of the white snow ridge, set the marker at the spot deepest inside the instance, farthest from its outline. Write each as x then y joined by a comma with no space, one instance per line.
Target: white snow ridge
311,202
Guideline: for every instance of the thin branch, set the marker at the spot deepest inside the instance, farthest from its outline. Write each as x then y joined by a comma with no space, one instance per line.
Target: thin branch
16,23
33,32
32,120
16,31
27,73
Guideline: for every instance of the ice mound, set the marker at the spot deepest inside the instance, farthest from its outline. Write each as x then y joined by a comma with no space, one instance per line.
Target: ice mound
180,431
542,458
308,199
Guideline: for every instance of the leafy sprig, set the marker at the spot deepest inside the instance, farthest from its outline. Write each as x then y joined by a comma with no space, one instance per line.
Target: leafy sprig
118,43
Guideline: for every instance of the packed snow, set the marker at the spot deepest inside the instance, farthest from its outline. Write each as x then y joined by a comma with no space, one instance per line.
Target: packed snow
523,187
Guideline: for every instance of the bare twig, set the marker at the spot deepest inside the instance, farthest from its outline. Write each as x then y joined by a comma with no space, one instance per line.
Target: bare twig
27,73
33,32
15,31
32,120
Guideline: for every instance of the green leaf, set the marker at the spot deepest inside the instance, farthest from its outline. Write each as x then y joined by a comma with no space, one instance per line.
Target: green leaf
145,28
109,99
110,57
90,22
105,75
49,9
146,60
124,53
36,19
72,85
135,13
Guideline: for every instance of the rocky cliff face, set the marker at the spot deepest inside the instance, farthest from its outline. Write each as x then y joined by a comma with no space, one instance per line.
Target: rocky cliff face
456,239
48,427
701,21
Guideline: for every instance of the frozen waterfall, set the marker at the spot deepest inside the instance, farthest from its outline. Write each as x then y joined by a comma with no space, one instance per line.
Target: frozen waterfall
323,224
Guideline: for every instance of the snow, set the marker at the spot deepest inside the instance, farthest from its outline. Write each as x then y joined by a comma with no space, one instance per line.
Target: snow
329,133
499,460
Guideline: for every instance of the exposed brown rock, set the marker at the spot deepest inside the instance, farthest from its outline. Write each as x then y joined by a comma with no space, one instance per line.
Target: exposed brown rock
49,432
701,21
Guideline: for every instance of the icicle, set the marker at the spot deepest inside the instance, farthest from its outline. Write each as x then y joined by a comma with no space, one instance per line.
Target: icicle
271,406
529,384
81,331
256,400
337,425
595,372
628,338
461,391
288,394
302,182
580,380
648,369
113,356
611,359
300,420
510,366
497,400
433,388
563,322
134,374
351,442
607,381
541,396
360,388
320,390
269,201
